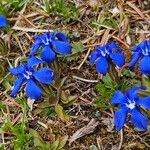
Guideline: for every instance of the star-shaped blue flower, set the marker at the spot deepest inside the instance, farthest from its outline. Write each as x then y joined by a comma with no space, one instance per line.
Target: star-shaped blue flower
141,51
27,74
102,55
3,21
129,103
52,43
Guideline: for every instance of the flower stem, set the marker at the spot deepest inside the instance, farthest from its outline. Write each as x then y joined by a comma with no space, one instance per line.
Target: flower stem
114,74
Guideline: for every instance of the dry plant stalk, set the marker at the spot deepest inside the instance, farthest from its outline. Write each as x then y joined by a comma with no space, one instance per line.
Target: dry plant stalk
89,128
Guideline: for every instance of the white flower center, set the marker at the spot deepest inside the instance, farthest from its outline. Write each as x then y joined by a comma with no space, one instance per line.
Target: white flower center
46,41
52,74
115,10
145,52
131,105
103,53
27,74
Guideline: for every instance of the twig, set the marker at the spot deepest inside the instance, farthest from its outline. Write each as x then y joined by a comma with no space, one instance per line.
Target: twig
16,119
85,100
27,20
18,41
3,141
27,16
125,44
42,124
85,58
85,80
21,13
141,139
136,9
33,30
121,139
95,35
147,32
99,143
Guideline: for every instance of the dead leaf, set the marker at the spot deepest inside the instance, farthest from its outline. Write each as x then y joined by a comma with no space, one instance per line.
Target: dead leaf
105,37
124,28
93,3
30,103
89,128
109,123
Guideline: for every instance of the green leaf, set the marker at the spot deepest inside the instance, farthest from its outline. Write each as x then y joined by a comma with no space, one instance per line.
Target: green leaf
3,10
47,6
67,98
59,143
2,146
2,105
102,103
146,82
77,47
93,147
38,141
106,89
55,145
65,9
16,4
3,47
61,113
62,142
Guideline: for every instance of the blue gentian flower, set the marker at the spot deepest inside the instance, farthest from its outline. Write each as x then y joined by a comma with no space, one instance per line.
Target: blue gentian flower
129,103
3,21
141,51
102,55
52,43
27,74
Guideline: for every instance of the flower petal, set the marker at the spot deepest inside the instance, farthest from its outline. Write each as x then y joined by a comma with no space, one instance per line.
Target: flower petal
35,47
118,58
101,50
47,54
61,36
132,94
94,56
134,59
148,45
135,48
32,90
139,120
120,117
17,70
144,65
44,75
3,21
33,61
144,102
113,47
138,47
17,85
61,47
102,65
118,98
45,38
142,45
